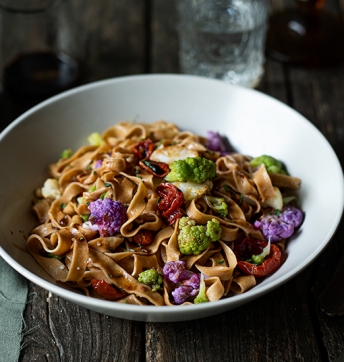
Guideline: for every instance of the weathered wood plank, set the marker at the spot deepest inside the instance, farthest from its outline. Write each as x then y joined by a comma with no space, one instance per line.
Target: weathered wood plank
318,96
164,41
280,326
274,82
57,330
258,331
112,37
262,330
112,40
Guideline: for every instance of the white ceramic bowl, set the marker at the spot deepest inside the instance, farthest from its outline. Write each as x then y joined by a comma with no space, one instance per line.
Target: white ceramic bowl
254,123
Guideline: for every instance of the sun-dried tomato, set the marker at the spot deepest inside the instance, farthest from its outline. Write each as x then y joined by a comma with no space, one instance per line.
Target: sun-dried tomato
158,169
171,201
248,247
143,237
175,215
143,149
106,291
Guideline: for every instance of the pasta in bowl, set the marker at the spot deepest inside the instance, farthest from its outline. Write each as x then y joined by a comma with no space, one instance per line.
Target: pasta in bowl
156,219
148,214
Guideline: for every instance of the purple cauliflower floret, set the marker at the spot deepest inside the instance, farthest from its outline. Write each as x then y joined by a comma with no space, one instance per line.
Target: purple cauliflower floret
175,271
193,281
186,282
291,215
282,226
273,228
183,294
215,143
108,214
98,164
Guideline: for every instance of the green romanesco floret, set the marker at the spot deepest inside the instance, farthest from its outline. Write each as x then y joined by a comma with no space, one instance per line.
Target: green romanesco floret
152,278
272,165
218,204
201,296
196,169
193,239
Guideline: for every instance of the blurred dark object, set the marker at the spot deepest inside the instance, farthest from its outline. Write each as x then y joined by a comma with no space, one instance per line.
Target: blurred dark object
40,74
306,35
39,48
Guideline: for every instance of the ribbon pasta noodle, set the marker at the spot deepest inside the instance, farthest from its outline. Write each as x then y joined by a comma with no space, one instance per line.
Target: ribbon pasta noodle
70,247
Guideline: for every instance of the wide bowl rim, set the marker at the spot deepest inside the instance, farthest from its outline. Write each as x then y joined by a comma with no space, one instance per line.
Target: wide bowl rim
141,312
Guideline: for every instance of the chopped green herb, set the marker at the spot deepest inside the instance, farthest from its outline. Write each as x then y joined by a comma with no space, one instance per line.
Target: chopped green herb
66,153
152,167
95,173
62,206
227,188
93,188
131,250
220,261
53,256
102,196
277,212
107,184
85,217
241,199
88,168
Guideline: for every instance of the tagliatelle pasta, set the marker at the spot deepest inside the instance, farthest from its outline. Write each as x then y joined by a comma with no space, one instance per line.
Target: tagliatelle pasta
111,211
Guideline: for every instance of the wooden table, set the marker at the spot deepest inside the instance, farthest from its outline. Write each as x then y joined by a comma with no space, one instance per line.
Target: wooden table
135,36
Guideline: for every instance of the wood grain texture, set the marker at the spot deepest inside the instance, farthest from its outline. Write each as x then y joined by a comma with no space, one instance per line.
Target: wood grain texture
164,42
112,37
318,96
140,36
57,330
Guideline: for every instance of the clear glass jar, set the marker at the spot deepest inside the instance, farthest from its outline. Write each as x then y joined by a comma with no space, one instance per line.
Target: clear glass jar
223,39
38,47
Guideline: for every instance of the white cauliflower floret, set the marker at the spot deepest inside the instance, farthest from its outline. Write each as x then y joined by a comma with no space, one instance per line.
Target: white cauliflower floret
170,154
276,201
192,190
51,189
